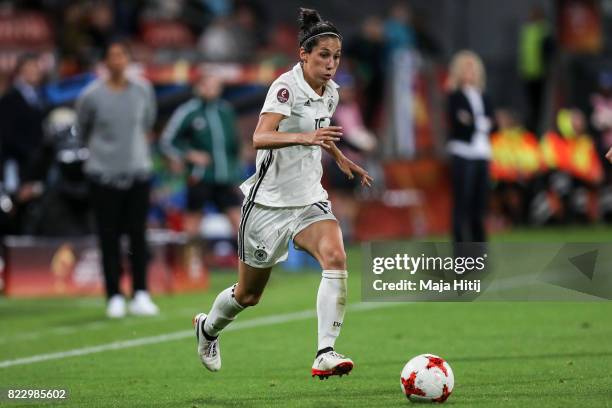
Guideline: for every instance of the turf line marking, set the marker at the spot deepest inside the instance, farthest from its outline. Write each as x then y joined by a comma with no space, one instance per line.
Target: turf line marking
504,284
499,285
162,338
106,323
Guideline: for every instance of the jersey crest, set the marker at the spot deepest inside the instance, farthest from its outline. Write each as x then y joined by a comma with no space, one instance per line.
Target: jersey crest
260,255
198,123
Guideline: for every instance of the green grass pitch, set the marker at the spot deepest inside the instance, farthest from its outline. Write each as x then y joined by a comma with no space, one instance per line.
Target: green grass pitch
503,354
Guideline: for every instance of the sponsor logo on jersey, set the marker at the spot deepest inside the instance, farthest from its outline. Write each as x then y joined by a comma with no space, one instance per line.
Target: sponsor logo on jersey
282,95
307,103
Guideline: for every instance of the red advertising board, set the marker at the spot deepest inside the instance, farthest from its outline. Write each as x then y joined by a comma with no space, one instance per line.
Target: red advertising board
71,267
25,30
415,203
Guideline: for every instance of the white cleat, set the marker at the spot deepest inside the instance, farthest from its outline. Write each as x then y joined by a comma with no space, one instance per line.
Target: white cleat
142,305
208,350
331,363
115,309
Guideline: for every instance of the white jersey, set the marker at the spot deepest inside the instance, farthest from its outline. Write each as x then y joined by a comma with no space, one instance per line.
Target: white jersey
291,176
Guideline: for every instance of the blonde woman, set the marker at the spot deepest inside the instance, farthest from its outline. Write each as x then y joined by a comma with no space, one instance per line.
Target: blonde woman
470,118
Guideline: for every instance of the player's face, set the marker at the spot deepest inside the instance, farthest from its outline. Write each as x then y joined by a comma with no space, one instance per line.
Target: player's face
117,59
322,62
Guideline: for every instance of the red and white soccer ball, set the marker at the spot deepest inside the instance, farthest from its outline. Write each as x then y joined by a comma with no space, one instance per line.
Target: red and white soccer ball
427,378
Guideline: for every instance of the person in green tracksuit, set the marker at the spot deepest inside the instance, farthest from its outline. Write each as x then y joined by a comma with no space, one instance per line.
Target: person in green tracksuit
201,139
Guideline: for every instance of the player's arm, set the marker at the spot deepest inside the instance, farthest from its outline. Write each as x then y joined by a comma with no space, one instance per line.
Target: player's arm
347,166
334,152
266,135
609,155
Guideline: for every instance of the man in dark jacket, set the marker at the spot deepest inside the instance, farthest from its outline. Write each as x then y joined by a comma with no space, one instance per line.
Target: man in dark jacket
21,130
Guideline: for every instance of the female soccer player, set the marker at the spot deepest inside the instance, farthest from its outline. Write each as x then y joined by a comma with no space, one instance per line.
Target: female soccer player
285,200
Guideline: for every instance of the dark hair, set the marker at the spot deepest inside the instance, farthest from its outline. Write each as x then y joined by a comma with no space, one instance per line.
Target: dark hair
24,59
312,28
119,42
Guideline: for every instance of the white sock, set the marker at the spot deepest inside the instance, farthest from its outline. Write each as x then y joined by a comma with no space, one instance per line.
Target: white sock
331,302
223,312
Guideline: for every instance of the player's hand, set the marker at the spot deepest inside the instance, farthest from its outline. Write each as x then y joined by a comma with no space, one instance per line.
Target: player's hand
198,157
609,155
348,167
322,137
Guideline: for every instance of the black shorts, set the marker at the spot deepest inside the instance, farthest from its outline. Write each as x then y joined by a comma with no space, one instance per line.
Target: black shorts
224,196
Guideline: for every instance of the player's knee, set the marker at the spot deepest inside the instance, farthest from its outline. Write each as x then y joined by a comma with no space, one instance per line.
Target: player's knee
247,299
334,258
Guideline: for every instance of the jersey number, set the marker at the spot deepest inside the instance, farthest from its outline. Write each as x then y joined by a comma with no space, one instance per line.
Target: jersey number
319,123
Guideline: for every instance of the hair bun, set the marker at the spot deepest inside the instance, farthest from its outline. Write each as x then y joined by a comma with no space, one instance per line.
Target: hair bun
308,18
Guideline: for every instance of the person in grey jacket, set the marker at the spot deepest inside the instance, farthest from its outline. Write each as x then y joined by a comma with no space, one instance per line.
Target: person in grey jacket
115,115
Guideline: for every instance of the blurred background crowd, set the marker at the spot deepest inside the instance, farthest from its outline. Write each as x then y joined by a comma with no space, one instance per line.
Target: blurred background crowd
547,74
